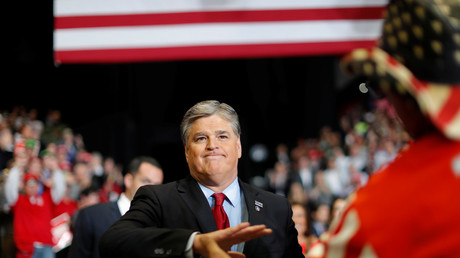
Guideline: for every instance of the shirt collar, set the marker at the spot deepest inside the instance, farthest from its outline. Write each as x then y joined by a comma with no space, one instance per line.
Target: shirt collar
232,192
123,203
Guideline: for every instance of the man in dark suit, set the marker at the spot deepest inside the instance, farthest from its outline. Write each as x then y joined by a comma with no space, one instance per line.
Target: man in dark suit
171,220
94,220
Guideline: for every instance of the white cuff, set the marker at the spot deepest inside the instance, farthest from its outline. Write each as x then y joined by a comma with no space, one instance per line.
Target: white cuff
188,253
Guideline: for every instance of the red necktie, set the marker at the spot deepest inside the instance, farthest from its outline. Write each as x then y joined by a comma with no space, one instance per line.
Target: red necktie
219,213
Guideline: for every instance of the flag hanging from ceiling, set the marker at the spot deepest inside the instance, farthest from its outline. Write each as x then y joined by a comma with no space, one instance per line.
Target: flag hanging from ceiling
117,31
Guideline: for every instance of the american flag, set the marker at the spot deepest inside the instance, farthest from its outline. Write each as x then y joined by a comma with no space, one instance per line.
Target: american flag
117,31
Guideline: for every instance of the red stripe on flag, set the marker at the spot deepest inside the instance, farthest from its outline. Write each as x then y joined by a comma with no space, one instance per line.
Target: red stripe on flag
218,16
450,108
418,85
208,52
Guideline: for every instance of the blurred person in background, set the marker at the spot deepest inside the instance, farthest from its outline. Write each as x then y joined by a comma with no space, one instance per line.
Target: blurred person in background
6,147
279,179
35,167
26,138
94,220
302,219
317,247
358,156
36,124
385,153
333,178
82,180
96,167
297,194
321,192
320,218
304,174
68,140
416,64
282,154
113,183
53,128
342,163
63,161
32,210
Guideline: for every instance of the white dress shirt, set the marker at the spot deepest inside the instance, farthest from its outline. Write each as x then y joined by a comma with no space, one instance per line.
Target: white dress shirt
232,204
123,204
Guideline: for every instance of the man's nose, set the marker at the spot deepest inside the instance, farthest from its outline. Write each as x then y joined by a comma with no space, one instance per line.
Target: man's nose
212,143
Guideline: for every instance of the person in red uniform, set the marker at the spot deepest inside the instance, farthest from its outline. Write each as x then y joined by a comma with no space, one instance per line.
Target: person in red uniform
32,211
411,208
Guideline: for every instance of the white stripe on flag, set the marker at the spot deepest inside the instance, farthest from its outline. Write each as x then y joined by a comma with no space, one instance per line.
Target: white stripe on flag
215,34
64,8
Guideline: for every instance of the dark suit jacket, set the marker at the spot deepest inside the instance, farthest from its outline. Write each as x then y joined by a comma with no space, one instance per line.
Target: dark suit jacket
162,218
91,223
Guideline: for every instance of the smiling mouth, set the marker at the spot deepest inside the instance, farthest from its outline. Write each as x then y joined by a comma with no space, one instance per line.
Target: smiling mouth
213,155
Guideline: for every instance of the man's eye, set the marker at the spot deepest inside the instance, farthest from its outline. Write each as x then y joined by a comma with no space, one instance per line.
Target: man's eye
200,139
223,137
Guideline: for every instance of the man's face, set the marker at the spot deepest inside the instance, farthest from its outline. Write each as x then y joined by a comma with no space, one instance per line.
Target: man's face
147,175
31,187
212,151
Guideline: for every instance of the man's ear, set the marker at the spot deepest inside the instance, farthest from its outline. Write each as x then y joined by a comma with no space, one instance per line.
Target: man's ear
239,148
186,152
128,180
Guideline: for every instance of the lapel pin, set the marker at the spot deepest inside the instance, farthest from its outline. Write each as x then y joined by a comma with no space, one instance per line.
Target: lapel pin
259,205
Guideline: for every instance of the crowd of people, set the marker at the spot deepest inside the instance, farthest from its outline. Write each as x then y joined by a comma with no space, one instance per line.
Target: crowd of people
47,175
315,173
322,171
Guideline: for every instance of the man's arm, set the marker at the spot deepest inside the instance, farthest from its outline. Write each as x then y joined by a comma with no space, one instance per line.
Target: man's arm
12,186
139,232
59,186
204,243
57,183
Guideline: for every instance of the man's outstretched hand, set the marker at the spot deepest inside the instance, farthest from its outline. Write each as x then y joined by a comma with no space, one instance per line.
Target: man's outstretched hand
214,251
218,243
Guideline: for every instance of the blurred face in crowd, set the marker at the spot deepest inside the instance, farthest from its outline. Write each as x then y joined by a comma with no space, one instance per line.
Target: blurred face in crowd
337,208
31,187
147,175
81,172
322,213
212,151
21,158
88,200
299,216
50,162
35,166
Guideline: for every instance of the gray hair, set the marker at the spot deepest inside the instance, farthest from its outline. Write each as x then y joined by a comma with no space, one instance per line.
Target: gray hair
208,108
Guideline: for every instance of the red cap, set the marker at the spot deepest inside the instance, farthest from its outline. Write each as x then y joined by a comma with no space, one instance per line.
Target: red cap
30,176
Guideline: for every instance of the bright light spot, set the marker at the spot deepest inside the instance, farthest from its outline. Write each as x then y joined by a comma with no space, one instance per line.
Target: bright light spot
363,88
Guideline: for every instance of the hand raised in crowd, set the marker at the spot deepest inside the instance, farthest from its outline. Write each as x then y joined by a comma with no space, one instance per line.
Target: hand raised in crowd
50,162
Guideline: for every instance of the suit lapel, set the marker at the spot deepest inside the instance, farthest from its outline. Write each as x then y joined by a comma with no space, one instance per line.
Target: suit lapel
255,208
192,195
254,204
